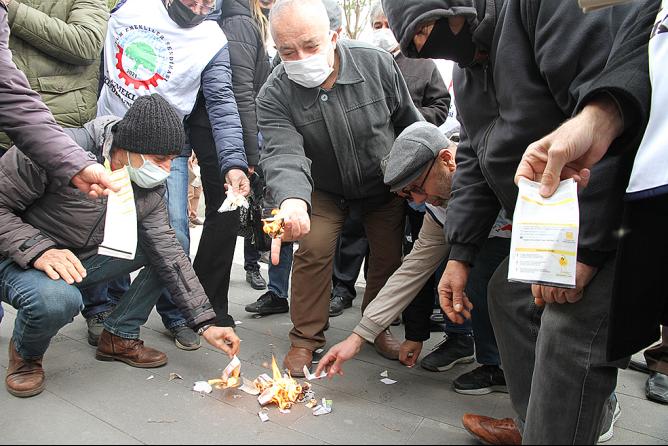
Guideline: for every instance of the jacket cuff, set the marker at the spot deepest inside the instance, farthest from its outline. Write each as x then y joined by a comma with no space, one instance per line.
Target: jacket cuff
463,253
593,258
203,317
77,160
32,249
197,327
236,165
368,329
295,196
253,159
225,321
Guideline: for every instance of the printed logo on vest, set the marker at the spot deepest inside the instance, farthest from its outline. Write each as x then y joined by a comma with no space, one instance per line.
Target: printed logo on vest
144,57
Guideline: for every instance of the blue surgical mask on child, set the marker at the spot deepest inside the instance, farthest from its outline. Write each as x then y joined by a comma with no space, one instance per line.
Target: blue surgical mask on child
148,176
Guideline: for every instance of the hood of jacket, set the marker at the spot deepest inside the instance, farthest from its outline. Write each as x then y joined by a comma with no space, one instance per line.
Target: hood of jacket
235,7
407,16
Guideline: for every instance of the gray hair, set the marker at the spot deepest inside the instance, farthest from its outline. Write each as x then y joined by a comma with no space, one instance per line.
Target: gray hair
376,11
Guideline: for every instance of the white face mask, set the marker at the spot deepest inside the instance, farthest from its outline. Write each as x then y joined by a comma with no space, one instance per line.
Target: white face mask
384,38
148,176
310,72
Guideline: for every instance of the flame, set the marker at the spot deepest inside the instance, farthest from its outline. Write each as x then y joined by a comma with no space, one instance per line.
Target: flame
274,227
282,391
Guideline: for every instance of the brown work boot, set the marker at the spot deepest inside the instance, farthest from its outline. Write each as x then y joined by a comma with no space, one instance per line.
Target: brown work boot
130,351
387,346
492,431
24,378
296,359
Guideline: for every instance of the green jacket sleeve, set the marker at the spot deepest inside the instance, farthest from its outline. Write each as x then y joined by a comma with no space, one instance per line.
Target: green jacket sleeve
78,41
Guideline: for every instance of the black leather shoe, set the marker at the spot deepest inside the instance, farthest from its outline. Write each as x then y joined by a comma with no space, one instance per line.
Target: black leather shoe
269,303
256,280
657,388
337,304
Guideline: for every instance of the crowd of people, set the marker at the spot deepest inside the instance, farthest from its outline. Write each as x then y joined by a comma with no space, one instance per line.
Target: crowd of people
361,149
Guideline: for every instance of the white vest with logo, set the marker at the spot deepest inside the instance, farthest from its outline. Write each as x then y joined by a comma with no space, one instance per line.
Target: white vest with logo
650,170
146,52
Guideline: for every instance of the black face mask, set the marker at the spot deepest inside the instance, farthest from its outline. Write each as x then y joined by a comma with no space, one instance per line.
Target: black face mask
183,16
444,44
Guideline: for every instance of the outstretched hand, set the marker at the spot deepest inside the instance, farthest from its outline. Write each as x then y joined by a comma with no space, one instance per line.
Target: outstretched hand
333,361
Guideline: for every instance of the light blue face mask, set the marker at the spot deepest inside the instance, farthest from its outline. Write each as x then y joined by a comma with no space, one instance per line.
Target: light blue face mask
148,176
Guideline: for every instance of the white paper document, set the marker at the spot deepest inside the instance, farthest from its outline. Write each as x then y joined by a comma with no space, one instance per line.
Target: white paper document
544,246
311,376
120,227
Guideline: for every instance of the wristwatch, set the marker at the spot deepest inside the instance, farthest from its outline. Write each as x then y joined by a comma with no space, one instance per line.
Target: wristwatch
203,329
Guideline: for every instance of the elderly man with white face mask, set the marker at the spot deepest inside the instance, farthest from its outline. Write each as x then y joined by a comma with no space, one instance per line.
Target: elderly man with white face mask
329,115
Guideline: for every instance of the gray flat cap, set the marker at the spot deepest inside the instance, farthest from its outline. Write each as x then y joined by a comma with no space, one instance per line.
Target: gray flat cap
414,149
335,14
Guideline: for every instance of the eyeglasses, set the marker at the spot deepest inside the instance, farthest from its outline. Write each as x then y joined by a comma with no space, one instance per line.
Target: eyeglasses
418,189
205,8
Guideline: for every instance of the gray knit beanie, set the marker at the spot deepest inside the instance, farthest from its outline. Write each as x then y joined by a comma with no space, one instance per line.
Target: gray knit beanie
150,127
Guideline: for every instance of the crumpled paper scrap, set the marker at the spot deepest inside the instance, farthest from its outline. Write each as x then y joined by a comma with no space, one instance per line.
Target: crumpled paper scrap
233,202
324,408
310,376
202,387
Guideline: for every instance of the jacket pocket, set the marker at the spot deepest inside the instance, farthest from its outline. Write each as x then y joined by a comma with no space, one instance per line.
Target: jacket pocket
62,84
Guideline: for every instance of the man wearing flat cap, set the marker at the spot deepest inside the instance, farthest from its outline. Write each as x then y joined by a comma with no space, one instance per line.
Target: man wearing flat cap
420,168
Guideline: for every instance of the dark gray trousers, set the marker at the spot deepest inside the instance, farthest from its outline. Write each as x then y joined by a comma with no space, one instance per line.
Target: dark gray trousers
554,359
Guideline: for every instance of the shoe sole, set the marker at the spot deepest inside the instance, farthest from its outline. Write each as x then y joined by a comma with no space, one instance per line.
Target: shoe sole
269,313
480,392
466,360
611,432
255,287
191,348
26,393
149,365
337,314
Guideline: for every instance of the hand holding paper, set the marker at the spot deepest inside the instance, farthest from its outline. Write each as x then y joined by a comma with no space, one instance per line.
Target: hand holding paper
223,338
120,230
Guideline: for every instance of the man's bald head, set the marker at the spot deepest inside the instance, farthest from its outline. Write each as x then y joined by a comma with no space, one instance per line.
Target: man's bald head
291,15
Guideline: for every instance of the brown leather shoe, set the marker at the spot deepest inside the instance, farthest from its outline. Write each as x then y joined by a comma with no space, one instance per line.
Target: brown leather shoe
387,346
130,351
24,378
492,431
296,359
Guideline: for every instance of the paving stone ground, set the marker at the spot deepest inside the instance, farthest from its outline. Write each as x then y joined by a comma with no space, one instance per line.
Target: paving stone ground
87,401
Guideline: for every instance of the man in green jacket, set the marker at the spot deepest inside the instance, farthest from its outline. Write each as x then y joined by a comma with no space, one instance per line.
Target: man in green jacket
58,46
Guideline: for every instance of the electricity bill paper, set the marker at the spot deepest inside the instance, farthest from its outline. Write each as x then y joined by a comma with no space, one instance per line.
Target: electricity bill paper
544,243
120,228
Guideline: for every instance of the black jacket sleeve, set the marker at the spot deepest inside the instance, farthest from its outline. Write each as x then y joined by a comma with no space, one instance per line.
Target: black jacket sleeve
246,60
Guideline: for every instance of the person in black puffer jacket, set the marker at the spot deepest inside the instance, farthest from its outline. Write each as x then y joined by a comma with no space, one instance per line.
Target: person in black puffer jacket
245,28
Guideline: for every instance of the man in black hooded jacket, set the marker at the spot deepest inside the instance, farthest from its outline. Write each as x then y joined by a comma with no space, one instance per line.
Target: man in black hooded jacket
525,67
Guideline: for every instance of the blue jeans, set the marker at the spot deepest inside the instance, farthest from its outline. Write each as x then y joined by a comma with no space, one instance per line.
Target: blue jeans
177,205
279,276
492,254
105,296
45,306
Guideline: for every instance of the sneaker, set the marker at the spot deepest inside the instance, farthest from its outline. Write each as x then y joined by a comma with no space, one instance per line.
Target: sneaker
337,304
256,280
481,381
612,413
185,338
95,327
269,303
455,349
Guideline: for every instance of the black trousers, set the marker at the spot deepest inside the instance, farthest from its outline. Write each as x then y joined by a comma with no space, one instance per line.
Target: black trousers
213,263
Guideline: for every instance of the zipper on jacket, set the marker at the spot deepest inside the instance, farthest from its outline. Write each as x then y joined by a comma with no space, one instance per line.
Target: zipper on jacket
95,226
182,277
485,75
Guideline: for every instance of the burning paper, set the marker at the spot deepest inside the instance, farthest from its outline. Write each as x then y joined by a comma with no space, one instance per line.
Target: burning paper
249,387
233,202
230,376
202,387
274,226
284,391
324,408
310,376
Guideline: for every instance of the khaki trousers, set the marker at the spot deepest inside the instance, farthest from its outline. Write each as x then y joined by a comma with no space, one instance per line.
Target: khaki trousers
313,262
